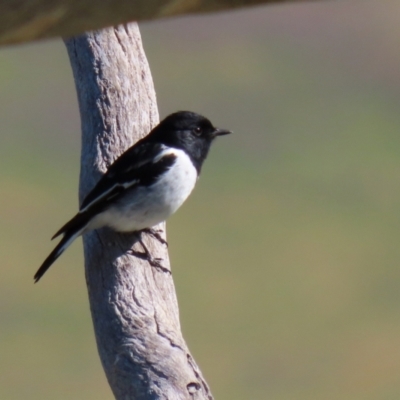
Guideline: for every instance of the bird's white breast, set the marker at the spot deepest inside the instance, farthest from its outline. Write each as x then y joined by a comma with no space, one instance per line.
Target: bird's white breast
145,207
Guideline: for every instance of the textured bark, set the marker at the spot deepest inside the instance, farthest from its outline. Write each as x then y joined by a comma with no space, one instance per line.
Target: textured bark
25,20
133,305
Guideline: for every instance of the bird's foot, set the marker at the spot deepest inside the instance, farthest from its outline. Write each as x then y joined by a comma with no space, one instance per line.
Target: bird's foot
156,234
156,263
145,255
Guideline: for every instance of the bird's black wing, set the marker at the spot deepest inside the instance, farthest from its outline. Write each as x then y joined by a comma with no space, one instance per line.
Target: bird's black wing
124,172
140,165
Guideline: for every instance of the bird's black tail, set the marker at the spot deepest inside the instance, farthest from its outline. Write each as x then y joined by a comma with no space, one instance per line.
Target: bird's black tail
77,226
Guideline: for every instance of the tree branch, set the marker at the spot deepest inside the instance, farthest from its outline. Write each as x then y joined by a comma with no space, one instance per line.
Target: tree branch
134,307
26,20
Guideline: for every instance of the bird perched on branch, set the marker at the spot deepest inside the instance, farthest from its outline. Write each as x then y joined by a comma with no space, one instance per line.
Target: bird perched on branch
146,184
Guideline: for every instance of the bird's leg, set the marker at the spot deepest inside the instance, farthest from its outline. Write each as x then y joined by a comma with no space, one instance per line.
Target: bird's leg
154,262
156,234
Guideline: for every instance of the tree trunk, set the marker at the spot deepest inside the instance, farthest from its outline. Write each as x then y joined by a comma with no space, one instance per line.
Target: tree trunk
134,306
24,20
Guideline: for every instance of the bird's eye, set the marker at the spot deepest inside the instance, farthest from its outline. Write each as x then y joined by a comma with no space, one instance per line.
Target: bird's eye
197,131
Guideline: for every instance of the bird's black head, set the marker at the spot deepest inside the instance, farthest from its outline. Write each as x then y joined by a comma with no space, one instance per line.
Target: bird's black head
190,132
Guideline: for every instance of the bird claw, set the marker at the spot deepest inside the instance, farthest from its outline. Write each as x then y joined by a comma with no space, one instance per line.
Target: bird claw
145,255
156,234
156,263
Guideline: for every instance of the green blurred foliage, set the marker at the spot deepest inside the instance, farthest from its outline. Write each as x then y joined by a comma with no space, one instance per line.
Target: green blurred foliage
286,257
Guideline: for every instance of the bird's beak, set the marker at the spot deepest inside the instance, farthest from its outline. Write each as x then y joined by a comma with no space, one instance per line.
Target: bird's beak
221,132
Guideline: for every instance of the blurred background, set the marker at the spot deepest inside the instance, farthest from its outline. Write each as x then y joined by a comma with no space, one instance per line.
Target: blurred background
286,257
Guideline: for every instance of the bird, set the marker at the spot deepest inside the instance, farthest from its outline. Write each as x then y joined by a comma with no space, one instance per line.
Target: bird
144,185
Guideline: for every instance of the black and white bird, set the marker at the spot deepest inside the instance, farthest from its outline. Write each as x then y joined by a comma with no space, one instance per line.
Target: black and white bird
146,184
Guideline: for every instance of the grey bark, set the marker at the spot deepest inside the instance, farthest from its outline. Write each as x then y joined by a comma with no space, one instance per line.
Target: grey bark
25,20
134,306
